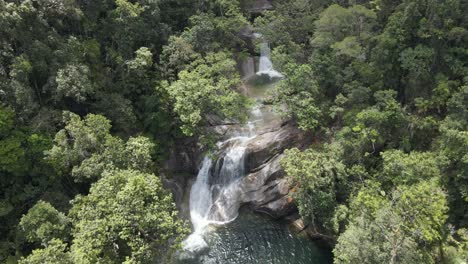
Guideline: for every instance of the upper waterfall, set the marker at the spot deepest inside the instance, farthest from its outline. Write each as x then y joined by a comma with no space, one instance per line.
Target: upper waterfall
265,66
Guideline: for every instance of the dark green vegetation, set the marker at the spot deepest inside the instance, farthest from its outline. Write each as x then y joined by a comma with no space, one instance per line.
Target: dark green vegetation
383,87
94,94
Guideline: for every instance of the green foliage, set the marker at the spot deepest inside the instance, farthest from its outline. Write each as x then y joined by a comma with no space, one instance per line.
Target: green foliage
176,56
403,169
127,216
280,28
207,87
11,151
320,178
381,86
394,228
85,148
143,59
336,23
73,82
55,253
374,127
43,223
93,58
300,93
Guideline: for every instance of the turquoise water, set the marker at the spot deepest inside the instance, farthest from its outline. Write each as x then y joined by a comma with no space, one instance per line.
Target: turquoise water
254,238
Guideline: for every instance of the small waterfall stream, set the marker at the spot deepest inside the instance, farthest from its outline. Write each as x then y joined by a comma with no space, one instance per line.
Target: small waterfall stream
216,195
265,66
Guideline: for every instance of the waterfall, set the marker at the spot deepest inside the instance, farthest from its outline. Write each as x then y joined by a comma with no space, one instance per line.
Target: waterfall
215,197
265,66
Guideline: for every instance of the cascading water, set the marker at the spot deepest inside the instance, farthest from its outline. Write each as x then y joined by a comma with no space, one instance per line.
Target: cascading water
214,197
265,66
219,190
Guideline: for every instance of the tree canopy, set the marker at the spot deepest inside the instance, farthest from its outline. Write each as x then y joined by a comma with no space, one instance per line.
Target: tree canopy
97,96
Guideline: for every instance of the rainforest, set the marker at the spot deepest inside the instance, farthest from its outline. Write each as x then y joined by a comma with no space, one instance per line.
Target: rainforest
233,131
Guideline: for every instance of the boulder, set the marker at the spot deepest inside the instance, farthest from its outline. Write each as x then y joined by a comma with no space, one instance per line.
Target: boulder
266,191
266,146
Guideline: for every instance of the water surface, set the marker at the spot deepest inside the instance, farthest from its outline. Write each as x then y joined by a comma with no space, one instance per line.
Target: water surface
255,238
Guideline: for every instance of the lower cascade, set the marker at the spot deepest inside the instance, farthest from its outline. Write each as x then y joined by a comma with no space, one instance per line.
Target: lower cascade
215,195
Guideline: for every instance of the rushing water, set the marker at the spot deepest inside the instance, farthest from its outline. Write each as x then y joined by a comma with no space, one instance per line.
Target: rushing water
265,66
216,196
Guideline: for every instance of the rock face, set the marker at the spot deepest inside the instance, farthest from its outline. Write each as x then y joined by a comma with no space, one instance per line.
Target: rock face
266,146
260,6
264,188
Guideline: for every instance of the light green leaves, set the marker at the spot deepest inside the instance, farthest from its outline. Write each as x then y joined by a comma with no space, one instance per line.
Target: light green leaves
73,82
318,176
55,253
208,86
393,228
43,223
126,216
85,148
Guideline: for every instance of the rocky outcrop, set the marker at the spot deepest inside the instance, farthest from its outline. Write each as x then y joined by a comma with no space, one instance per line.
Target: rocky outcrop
266,146
264,188
183,157
259,6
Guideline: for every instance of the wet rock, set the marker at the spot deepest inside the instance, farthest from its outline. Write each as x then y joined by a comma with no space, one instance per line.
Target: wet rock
214,120
178,184
298,224
183,157
262,148
260,6
277,208
266,191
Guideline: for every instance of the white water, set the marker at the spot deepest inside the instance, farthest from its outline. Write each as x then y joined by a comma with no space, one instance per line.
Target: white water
215,195
265,66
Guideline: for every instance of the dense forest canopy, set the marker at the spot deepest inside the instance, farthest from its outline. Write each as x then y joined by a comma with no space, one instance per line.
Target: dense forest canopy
95,94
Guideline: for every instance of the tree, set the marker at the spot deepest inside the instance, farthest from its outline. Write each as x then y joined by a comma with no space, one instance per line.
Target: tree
209,86
452,149
43,223
73,82
11,141
382,124
176,56
55,253
401,227
404,169
85,148
301,94
279,27
127,216
320,178
336,23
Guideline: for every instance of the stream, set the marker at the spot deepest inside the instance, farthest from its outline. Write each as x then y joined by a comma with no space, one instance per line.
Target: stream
222,231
